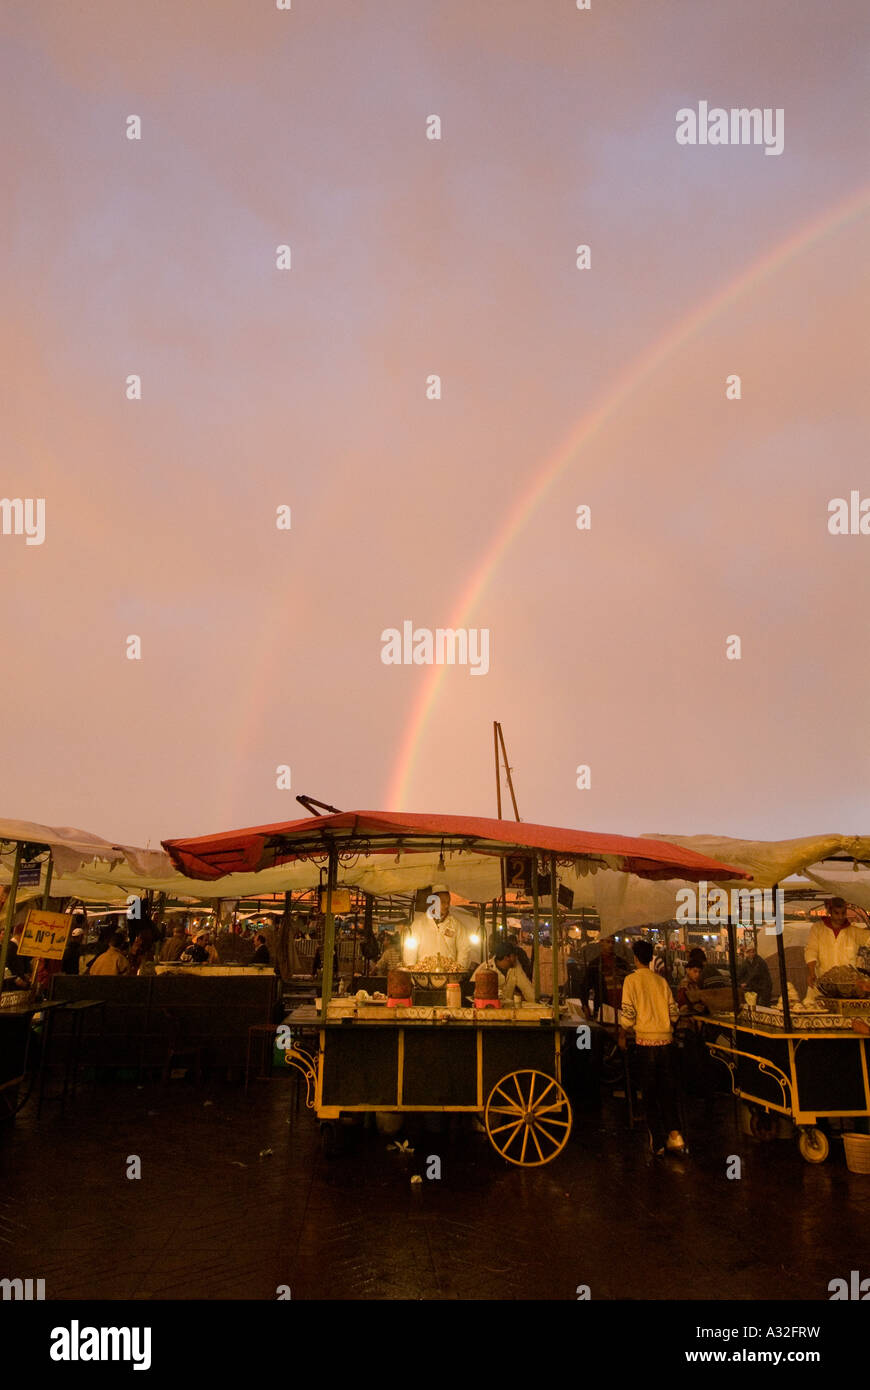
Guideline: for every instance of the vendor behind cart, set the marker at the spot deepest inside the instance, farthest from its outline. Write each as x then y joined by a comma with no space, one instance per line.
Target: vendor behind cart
833,941
438,932
512,978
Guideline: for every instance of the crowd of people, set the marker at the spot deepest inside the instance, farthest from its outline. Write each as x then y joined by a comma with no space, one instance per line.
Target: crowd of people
120,950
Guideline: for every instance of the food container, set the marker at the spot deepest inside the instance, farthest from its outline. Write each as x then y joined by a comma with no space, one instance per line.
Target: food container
454,995
486,988
398,989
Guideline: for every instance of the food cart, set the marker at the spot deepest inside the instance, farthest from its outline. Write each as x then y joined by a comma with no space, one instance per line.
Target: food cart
804,1062
816,1068
503,1063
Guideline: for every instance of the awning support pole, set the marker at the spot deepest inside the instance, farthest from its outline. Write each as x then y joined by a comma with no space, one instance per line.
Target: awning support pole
329,928
536,914
498,808
46,892
554,936
780,956
732,965
10,912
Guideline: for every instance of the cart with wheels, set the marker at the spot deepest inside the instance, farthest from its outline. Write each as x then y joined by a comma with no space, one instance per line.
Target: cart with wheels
502,1065
806,1075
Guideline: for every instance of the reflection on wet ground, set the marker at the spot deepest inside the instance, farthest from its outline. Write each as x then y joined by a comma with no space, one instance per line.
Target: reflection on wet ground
236,1198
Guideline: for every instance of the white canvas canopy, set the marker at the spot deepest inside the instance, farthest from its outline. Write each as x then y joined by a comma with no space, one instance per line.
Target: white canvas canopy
624,901
87,866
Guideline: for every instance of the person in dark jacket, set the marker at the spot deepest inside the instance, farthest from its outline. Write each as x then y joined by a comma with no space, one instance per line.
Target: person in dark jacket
261,950
754,975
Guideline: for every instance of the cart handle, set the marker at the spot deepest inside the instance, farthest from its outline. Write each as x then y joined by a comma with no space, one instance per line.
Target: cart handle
303,1061
766,1067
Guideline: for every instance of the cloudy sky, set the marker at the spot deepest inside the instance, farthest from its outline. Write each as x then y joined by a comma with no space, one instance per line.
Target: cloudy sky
307,388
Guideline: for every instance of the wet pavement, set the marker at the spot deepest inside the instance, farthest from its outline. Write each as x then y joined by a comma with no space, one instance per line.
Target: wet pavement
236,1199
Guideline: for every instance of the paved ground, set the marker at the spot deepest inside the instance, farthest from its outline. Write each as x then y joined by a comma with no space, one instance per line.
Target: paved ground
210,1217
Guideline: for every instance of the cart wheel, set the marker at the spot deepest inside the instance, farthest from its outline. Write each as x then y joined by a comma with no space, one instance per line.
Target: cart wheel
762,1125
528,1118
814,1145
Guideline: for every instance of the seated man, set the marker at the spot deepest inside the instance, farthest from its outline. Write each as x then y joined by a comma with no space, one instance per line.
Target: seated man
261,950
391,956
512,977
689,999
175,944
521,955
754,975
112,961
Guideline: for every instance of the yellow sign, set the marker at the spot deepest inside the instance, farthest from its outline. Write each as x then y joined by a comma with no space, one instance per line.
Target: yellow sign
45,934
340,900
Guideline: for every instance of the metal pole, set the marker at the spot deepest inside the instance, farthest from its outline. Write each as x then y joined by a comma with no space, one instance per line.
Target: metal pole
554,936
329,928
507,772
10,912
46,892
536,913
780,955
495,732
497,772
355,934
732,965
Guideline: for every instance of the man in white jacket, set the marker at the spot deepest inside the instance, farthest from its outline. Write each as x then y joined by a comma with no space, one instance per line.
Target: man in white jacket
439,933
833,941
649,1007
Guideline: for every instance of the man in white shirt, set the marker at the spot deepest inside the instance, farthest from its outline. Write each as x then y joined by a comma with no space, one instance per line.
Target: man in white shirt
438,933
649,1007
833,941
512,977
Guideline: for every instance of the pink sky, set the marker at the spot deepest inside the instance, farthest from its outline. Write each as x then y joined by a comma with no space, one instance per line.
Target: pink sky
307,387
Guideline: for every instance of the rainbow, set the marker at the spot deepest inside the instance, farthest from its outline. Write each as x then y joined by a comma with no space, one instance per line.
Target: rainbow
586,429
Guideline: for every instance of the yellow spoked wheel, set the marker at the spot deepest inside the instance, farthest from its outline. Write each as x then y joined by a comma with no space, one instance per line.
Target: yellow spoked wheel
528,1118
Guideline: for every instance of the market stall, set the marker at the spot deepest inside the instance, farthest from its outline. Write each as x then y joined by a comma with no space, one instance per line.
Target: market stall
818,1069
490,1055
803,1060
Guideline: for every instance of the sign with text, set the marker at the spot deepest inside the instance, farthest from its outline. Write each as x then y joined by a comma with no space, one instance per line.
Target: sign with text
340,900
45,934
518,873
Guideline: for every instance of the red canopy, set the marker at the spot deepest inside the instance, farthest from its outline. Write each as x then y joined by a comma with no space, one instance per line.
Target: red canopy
385,832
